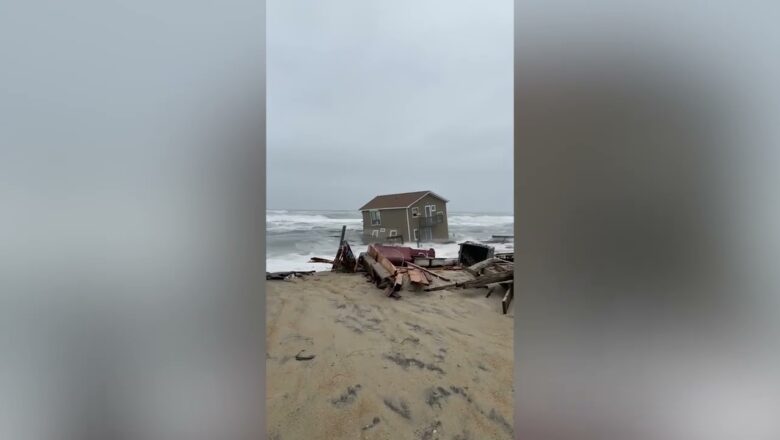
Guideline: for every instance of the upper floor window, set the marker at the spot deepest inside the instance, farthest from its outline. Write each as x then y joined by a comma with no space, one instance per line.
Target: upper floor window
375,218
415,211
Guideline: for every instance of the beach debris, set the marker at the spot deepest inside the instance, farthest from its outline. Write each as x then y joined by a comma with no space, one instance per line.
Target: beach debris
286,275
487,273
345,260
507,297
471,253
506,256
299,357
320,260
398,255
443,263
492,265
427,271
417,276
482,281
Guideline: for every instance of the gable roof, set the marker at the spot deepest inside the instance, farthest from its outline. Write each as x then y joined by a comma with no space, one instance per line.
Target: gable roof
400,200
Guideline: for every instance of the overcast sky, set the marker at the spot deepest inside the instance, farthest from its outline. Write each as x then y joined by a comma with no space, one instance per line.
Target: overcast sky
376,97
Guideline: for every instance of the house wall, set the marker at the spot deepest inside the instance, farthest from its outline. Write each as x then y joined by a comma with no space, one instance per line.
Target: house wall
440,231
392,219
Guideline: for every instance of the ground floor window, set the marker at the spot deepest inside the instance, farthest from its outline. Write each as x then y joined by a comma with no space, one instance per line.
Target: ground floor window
375,233
393,232
416,234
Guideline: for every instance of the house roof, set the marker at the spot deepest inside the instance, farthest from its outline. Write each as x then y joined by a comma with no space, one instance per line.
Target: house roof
400,200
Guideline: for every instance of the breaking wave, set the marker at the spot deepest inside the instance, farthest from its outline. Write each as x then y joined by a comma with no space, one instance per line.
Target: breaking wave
293,237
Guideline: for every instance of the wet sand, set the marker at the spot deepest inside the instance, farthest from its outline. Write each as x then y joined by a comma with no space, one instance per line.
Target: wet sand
433,365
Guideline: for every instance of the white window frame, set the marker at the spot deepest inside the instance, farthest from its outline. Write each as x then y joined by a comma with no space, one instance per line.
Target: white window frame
416,234
375,233
375,221
415,211
393,233
431,209
381,229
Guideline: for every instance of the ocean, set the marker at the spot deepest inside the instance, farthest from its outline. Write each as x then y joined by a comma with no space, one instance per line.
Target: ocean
294,236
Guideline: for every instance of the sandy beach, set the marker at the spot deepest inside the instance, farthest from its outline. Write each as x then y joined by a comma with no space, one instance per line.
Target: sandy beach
432,365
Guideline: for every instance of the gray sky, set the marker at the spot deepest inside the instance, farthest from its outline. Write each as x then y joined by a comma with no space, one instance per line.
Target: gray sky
375,97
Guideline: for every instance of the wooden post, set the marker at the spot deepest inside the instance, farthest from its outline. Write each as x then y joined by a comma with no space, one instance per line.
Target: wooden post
507,298
343,233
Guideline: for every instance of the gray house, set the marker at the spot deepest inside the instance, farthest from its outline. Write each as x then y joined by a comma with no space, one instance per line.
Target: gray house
413,216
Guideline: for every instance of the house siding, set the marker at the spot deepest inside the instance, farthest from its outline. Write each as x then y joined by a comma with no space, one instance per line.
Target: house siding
439,232
391,219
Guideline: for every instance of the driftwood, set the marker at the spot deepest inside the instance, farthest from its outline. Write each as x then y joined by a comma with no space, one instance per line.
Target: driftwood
320,260
427,271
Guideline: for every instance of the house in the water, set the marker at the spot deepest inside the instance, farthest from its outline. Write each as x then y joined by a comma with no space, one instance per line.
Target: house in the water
414,216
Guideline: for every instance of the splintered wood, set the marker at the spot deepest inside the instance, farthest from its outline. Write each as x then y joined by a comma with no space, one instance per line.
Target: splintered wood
486,273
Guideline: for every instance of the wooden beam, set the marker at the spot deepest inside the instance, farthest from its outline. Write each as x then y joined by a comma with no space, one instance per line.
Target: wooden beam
475,269
427,271
381,259
482,281
507,298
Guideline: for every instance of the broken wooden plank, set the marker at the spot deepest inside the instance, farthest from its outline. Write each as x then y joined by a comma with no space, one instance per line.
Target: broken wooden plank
416,276
378,273
476,269
507,298
345,260
381,259
320,260
427,271
482,281
343,233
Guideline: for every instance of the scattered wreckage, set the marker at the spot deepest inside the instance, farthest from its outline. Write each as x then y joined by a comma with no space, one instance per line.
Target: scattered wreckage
391,268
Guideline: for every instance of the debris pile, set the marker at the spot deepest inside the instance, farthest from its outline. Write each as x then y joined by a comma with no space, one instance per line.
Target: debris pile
487,273
345,260
390,267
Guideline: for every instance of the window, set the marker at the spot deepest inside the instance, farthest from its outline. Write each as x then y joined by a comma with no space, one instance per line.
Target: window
393,232
375,218
416,234
433,208
415,212
375,233
381,229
